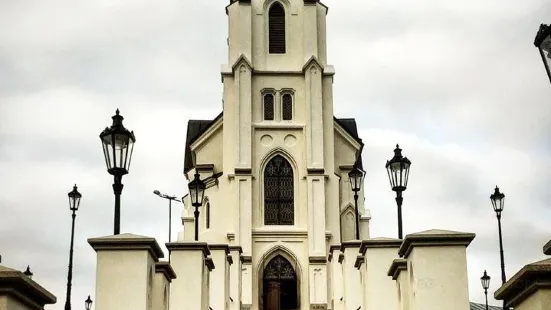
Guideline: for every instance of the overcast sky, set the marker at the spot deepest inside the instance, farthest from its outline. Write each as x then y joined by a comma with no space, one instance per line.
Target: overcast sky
458,84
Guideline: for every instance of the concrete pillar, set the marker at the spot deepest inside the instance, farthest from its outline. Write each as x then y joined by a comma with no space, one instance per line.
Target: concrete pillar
125,271
190,290
437,268
220,280
164,274
398,272
528,289
235,278
20,292
351,276
318,282
379,289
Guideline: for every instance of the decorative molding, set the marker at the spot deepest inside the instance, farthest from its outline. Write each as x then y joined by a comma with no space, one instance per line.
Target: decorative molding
209,263
246,259
315,171
278,126
216,247
127,242
379,243
229,259
318,260
246,306
350,244
203,137
328,235
341,258
166,269
231,237
242,171
436,239
396,267
279,233
236,248
188,246
359,261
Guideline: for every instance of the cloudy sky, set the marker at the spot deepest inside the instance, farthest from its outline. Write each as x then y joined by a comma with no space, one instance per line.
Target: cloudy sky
458,84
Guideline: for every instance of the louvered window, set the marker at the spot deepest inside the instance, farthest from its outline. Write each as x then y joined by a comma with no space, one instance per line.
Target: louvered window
269,107
277,29
287,107
278,192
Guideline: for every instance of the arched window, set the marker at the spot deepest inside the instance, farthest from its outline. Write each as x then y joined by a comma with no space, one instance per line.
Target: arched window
268,107
207,215
278,192
276,29
287,107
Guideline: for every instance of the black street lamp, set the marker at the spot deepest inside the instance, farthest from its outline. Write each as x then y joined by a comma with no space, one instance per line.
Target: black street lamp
170,199
118,145
28,272
356,177
74,203
485,280
543,43
88,303
196,193
398,173
498,201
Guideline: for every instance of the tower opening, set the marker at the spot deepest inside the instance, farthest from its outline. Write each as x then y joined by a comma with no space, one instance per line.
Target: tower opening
276,25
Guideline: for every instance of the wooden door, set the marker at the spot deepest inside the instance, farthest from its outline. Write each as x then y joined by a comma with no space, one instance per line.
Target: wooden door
272,296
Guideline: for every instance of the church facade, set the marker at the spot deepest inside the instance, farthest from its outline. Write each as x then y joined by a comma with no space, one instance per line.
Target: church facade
276,160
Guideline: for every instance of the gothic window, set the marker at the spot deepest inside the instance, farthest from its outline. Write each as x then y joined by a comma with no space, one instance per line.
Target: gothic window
268,107
276,29
207,215
287,107
278,192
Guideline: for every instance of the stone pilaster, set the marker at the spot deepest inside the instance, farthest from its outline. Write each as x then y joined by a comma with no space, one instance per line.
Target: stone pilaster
247,282
317,273
353,298
220,281
190,260
235,278
125,271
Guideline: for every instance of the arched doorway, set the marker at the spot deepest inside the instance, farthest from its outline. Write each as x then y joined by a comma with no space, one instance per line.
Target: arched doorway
279,285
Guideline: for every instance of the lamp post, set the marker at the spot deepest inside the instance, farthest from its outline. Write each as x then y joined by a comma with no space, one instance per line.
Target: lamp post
196,193
398,173
74,203
543,43
356,177
88,303
485,280
118,145
498,201
170,199
28,272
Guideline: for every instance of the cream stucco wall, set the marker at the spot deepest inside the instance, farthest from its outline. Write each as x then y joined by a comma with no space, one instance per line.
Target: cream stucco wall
539,300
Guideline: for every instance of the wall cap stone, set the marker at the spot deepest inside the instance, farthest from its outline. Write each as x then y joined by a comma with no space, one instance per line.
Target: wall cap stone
396,267
359,261
166,269
189,246
236,248
435,238
525,282
214,247
15,283
350,244
127,242
380,242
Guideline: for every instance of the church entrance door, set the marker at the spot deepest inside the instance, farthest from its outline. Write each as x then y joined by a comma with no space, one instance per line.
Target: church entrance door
280,285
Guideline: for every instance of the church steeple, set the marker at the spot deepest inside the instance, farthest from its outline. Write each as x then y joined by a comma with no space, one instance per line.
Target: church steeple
277,35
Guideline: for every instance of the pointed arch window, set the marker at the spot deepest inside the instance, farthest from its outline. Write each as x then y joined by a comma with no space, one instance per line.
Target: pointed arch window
279,192
287,107
268,107
276,31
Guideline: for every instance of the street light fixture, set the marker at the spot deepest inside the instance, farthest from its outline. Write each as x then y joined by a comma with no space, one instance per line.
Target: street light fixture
485,280
118,145
28,272
498,201
88,303
170,199
196,193
398,174
356,177
543,43
74,203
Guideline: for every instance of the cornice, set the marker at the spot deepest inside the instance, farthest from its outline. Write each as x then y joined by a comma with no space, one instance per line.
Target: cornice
398,265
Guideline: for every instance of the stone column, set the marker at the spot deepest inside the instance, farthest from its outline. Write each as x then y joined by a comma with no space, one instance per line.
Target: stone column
318,282
125,271
337,292
235,278
164,274
437,267
219,286
190,290
352,293
398,272
379,289
528,289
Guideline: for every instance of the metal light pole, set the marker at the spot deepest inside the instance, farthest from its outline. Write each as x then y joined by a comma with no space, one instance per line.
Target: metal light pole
196,193
74,203
356,177
170,199
88,303
485,280
543,43
398,173
498,201
118,145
